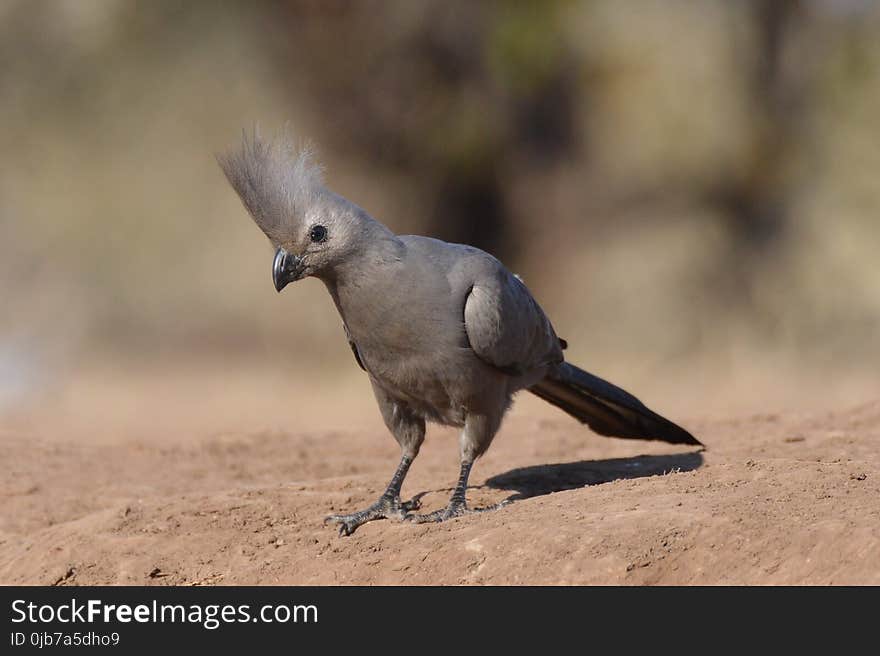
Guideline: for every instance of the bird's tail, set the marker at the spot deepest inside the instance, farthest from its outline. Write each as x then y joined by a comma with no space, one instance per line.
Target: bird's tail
606,408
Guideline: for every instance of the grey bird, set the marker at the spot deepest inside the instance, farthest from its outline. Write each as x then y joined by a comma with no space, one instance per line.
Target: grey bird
444,331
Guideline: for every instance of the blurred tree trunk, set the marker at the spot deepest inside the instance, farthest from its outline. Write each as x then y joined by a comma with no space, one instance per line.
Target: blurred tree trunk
448,92
757,202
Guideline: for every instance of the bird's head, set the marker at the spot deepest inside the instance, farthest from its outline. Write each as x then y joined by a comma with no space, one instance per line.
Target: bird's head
312,229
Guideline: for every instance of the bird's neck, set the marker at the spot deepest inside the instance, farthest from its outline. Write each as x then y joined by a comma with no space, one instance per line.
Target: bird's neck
366,271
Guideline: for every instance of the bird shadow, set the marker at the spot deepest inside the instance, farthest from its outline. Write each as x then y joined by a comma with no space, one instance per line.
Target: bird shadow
538,480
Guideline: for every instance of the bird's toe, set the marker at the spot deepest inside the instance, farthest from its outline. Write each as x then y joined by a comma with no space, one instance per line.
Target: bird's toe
408,506
384,508
439,515
450,512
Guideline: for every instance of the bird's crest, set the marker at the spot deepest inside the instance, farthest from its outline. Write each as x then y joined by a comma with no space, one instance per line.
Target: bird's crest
278,182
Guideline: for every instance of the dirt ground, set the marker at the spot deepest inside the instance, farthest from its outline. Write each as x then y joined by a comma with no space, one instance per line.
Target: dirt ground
132,485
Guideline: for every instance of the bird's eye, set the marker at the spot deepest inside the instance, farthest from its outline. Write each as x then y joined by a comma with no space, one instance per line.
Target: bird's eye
318,233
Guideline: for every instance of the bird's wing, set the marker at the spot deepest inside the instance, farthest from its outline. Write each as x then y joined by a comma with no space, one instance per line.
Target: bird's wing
506,327
354,348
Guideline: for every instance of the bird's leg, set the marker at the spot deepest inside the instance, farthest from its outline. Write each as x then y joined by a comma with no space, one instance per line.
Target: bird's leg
389,504
479,429
457,505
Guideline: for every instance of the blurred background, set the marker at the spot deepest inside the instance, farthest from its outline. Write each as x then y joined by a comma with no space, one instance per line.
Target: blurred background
690,190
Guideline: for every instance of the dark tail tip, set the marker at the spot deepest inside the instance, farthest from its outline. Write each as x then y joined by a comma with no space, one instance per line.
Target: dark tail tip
678,435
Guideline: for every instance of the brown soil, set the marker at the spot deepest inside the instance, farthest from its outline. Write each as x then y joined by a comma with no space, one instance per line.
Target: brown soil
789,498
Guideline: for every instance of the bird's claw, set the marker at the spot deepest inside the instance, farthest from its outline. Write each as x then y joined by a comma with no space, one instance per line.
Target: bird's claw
348,524
384,508
451,511
346,529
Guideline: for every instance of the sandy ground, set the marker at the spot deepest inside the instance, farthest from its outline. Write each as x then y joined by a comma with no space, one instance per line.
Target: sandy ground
122,487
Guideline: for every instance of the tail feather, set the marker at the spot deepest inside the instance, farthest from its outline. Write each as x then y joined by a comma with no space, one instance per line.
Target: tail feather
606,408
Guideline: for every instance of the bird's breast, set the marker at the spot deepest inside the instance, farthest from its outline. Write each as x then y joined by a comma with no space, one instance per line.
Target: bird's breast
408,326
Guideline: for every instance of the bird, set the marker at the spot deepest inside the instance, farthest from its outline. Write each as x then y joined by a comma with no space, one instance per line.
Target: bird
445,332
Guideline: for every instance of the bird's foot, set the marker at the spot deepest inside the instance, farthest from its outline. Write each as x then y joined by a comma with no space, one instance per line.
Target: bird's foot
454,509
386,507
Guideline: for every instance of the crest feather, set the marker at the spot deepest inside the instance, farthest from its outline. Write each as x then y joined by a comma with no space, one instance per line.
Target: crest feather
277,182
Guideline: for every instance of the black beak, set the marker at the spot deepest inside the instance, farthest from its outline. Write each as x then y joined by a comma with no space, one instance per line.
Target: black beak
286,268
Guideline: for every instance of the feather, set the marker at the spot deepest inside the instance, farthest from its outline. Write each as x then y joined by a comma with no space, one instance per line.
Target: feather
278,183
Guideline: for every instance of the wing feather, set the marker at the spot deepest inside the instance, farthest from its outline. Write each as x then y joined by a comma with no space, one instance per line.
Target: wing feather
507,328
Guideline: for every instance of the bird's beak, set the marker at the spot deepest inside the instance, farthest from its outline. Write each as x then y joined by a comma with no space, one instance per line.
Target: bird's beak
286,268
